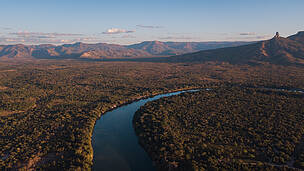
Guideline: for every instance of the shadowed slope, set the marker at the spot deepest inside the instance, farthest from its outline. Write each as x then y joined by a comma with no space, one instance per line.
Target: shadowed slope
278,50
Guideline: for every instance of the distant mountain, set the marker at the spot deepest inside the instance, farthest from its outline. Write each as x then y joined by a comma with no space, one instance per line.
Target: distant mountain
177,48
154,48
277,50
16,51
107,51
91,51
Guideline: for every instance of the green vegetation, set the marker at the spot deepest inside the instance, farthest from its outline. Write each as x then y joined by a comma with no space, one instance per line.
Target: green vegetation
229,127
48,108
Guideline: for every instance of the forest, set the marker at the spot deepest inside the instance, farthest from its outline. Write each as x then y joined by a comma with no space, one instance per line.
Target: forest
48,108
227,127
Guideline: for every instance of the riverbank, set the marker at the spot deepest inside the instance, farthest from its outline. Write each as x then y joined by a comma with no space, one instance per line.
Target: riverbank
132,100
70,96
114,140
84,149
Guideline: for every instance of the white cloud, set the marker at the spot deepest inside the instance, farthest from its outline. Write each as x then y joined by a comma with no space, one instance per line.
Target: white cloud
117,31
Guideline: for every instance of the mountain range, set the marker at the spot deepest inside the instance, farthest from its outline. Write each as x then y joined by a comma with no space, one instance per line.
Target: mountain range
108,51
278,50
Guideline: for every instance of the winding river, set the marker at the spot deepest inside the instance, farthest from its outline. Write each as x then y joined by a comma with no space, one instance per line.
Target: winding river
115,143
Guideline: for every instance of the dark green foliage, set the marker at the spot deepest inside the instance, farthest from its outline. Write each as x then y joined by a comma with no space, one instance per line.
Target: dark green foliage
229,127
48,108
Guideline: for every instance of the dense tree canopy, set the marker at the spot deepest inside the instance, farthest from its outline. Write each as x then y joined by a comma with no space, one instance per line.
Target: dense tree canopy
228,127
48,108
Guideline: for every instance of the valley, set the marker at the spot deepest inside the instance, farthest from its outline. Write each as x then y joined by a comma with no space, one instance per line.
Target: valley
48,108
162,85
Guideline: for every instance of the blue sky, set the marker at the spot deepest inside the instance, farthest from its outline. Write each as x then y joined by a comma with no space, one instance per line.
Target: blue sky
132,21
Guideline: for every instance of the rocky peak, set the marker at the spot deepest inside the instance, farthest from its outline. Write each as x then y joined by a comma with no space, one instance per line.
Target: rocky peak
277,35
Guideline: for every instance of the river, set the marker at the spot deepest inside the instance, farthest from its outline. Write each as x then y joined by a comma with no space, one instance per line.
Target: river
115,143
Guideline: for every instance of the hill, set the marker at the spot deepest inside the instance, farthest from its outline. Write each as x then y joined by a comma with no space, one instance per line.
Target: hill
74,51
299,37
278,50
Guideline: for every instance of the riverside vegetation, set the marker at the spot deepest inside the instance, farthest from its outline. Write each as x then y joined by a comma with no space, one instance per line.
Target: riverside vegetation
226,127
48,108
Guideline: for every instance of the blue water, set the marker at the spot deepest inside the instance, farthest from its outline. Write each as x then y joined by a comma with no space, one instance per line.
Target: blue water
115,143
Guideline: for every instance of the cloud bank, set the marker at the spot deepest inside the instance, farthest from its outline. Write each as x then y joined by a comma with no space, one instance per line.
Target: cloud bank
44,38
6,28
248,34
176,38
148,27
43,35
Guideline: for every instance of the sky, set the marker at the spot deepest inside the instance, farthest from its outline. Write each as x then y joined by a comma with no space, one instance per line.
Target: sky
134,21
